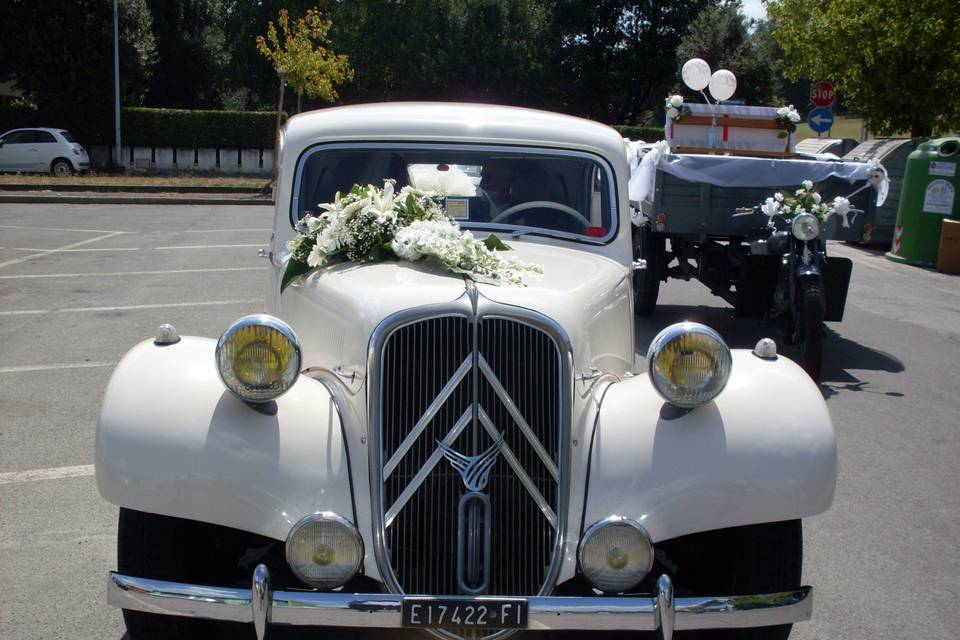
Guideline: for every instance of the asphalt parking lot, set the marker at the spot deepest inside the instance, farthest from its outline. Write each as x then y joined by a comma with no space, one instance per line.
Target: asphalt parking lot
81,284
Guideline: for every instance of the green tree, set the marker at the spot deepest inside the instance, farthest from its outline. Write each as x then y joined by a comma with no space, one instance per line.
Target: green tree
192,54
300,56
617,59
720,35
61,54
896,63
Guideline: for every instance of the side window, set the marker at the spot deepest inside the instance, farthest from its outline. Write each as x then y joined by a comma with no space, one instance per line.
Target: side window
43,136
17,137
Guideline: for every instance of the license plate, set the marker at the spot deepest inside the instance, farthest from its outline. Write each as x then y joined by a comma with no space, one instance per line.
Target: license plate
493,613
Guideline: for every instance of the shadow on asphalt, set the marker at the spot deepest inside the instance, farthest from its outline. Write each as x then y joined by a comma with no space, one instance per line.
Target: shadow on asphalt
841,355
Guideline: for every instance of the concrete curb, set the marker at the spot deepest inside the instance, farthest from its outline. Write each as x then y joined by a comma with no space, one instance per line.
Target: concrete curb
133,188
35,198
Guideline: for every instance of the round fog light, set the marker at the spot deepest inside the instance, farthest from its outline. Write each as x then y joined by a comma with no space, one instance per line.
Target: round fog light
324,550
615,554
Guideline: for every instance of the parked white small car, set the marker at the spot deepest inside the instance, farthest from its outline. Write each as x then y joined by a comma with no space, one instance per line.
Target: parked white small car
399,446
41,150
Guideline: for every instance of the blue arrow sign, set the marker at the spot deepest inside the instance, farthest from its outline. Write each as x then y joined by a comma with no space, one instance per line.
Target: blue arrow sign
820,119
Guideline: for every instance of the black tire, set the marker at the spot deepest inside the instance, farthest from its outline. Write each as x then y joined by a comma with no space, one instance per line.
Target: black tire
151,546
646,282
766,558
61,168
811,329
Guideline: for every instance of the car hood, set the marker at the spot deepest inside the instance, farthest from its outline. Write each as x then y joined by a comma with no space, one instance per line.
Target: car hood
335,310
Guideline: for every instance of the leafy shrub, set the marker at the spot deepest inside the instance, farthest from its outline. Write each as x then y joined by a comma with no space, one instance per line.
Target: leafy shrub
142,127
185,128
647,134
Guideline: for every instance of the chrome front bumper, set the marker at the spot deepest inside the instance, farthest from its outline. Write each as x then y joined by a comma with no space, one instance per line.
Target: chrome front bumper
262,606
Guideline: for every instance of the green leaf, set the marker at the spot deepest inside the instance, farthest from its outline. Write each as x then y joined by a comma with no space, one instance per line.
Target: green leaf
493,243
782,134
294,269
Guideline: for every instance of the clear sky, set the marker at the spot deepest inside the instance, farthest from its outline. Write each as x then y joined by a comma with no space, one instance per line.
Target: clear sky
754,9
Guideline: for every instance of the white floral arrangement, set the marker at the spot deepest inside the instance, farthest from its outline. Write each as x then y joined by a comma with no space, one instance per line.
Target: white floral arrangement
788,117
675,107
805,200
370,224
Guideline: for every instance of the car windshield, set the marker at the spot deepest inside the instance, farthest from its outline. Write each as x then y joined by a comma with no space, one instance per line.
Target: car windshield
565,194
68,136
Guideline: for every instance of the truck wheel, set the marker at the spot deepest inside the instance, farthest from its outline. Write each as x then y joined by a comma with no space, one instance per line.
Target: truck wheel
646,282
61,168
811,328
151,546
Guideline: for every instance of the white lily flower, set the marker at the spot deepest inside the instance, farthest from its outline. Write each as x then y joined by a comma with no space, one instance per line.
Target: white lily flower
770,208
817,197
778,196
676,100
807,185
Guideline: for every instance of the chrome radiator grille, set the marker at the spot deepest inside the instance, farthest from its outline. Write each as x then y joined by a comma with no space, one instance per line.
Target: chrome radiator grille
451,389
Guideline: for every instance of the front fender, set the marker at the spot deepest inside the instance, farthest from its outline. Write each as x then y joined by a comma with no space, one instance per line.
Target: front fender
172,440
763,451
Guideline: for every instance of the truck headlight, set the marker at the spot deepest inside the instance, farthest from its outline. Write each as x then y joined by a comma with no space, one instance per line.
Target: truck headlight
615,554
258,358
324,550
805,227
689,364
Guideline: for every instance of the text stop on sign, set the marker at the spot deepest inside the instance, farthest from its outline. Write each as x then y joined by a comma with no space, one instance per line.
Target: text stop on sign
823,94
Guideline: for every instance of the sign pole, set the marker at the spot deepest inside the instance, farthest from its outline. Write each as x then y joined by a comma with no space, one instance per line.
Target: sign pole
117,159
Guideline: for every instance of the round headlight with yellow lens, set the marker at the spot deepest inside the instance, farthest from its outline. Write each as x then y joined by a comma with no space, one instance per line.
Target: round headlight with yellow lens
258,358
615,554
689,364
324,550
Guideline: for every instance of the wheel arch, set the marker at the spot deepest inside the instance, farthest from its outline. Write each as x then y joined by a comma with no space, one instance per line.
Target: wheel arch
172,440
762,451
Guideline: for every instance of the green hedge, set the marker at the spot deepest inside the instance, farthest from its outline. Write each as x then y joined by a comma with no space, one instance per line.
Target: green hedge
647,134
184,128
141,127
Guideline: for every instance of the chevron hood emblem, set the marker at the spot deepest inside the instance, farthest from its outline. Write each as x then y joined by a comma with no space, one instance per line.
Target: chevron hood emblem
474,470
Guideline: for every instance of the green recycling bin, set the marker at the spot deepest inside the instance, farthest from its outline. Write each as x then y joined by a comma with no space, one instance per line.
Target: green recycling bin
929,195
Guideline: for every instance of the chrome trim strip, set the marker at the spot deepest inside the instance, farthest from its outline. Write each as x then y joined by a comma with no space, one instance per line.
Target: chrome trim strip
425,470
518,469
427,416
542,149
376,610
518,417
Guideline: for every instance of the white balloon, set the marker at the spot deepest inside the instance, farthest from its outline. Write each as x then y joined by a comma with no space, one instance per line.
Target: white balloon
696,74
722,84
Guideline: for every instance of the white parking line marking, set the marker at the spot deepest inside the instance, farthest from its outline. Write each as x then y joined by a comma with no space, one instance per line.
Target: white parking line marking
76,250
15,226
224,230
14,477
47,252
56,367
132,307
212,246
132,273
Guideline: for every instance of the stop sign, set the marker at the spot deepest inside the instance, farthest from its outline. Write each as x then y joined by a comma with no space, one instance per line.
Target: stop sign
823,94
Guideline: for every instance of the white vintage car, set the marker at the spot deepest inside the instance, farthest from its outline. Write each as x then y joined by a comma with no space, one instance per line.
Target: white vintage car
397,446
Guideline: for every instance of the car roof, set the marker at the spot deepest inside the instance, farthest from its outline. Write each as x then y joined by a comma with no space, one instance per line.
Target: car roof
454,122
48,129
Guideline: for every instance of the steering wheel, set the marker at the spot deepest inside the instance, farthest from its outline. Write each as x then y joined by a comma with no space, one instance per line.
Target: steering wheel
542,204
